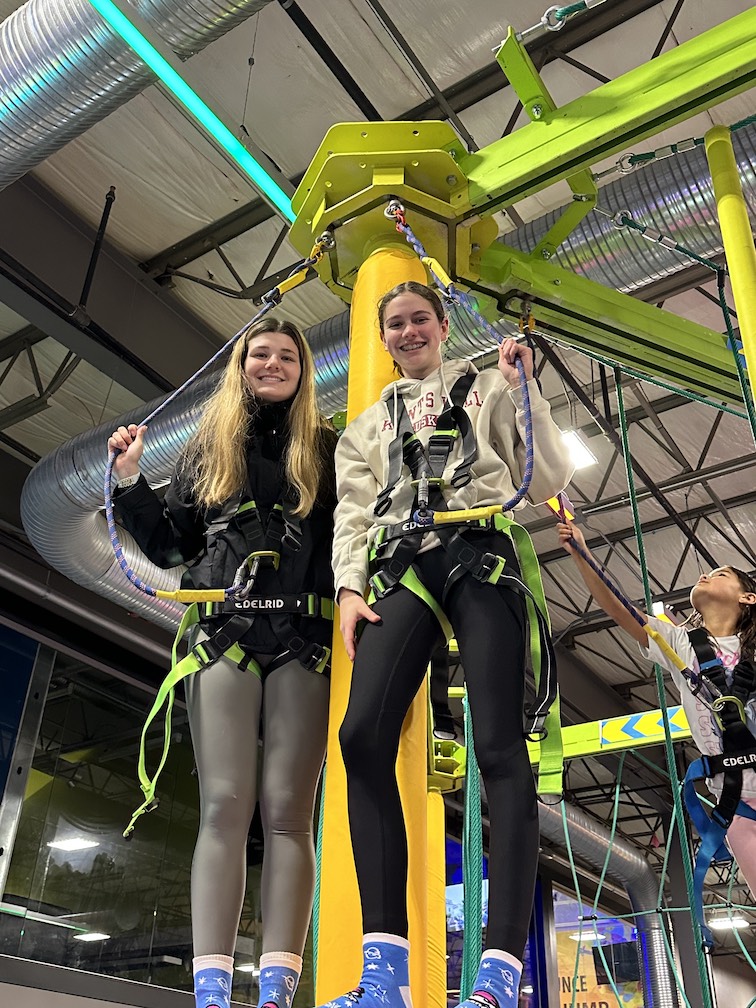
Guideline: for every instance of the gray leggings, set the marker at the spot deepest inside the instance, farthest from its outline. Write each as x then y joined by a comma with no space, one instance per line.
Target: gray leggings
225,707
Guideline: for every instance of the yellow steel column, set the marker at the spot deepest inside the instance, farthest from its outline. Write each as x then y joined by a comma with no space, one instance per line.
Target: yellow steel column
436,889
339,958
736,236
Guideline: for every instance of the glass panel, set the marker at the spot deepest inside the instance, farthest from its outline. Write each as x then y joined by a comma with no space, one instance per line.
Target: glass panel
455,929
593,959
73,877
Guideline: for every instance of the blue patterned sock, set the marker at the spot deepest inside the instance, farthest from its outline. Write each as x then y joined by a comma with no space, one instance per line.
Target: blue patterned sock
497,982
212,980
385,975
279,976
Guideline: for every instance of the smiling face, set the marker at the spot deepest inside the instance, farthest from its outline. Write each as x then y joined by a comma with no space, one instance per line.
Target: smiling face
412,333
272,367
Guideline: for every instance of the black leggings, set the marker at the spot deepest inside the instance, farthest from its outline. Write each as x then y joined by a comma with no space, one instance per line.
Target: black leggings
391,661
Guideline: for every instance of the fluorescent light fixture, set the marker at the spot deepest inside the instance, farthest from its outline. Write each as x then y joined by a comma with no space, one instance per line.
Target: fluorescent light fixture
92,936
527,990
73,844
587,937
251,967
657,608
729,923
580,453
194,105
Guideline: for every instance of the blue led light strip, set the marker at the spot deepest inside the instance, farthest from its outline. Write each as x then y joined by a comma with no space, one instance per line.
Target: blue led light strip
194,105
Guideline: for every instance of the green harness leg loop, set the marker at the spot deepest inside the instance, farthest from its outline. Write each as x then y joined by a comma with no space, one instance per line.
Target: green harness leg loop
180,669
551,760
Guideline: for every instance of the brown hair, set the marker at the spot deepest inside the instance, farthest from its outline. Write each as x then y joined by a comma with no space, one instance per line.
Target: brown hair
411,287
216,457
745,627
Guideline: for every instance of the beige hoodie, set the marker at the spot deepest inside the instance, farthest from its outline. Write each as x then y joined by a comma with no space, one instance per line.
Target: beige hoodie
498,422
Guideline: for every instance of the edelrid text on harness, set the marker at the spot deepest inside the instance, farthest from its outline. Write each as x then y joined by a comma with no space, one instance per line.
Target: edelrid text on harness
282,535
394,548
738,754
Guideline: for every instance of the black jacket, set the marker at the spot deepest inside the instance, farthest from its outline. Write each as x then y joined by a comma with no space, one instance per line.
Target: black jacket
180,531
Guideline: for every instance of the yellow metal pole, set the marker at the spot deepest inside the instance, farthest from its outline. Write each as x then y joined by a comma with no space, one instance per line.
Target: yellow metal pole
339,952
737,237
436,889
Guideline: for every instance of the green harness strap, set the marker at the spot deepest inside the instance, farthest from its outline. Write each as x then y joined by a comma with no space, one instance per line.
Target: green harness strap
180,669
551,761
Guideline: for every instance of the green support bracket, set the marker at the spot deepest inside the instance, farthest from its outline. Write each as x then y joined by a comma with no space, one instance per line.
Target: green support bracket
514,60
581,313
689,79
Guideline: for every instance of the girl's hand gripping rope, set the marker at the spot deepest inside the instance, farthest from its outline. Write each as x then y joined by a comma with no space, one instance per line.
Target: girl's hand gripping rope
510,352
128,444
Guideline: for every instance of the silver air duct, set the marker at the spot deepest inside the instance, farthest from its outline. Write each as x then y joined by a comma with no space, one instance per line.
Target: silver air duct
673,195
63,68
590,842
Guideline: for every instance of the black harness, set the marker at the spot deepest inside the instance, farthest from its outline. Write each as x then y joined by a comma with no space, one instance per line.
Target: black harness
280,538
738,754
395,547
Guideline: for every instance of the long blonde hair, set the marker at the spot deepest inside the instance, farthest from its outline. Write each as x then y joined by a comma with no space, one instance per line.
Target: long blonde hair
216,459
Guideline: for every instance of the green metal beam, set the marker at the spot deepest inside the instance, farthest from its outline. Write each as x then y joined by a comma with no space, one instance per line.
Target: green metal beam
579,312
689,79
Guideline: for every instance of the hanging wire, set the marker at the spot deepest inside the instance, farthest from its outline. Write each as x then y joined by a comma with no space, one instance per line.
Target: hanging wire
668,745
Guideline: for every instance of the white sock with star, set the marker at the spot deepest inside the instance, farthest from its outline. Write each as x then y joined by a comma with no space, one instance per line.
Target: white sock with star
279,976
212,980
385,975
497,983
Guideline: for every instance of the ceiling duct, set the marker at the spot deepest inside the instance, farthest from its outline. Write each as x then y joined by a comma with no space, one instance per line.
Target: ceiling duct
594,847
673,195
63,68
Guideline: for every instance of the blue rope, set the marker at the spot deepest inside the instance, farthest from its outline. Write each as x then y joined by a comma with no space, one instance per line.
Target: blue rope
461,298
270,300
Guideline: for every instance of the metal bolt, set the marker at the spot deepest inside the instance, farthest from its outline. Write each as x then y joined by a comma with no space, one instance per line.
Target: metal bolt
475,247
451,179
536,111
546,254
557,282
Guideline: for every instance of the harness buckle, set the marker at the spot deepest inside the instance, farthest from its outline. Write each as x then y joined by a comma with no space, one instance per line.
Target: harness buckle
721,702
317,659
487,566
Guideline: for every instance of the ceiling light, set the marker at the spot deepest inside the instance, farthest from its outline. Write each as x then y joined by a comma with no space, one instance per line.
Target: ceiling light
73,844
252,968
527,990
587,937
727,923
192,102
91,936
580,454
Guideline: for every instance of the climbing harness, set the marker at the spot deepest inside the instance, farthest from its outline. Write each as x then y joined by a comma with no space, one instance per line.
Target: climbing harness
738,754
272,546
393,548
270,300
236,604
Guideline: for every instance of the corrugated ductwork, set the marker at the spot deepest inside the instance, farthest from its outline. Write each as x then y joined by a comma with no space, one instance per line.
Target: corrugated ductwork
63,68
590,841
672,195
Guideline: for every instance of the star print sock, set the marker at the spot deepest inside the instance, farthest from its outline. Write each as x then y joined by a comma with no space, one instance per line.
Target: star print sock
385,975
497,982
212,980
279,976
